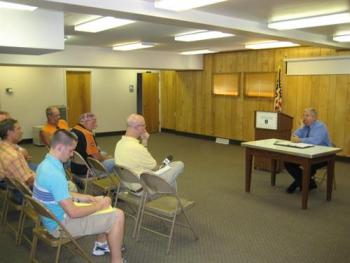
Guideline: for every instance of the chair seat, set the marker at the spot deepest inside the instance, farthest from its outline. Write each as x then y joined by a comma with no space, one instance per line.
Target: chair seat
45,236
129,198
105,184
167,205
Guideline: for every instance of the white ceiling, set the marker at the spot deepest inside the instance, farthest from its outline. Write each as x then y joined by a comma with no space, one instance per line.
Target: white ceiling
245,18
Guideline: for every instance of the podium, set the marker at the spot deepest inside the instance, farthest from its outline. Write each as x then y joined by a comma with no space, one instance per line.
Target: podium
271,125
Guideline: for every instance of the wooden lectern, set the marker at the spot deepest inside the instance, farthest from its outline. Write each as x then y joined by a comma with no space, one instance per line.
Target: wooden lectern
271,125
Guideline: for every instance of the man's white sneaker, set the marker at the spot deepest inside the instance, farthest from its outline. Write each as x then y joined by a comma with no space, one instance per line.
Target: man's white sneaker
100,249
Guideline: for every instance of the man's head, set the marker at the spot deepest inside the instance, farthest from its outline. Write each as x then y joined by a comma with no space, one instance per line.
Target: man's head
63,144
4,115
53,115
88,120
309,116
11,131
136,125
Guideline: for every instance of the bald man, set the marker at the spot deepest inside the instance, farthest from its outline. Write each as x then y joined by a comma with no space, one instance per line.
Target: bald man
131,152
54,122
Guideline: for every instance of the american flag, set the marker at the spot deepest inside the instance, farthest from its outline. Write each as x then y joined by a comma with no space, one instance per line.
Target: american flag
278,93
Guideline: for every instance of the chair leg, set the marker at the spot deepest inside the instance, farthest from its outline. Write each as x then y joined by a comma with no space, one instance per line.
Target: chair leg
139,224
59,250
171,234
20,227
137,219
34,247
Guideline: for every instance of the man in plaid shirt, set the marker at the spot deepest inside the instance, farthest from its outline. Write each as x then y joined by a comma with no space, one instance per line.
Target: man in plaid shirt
12,161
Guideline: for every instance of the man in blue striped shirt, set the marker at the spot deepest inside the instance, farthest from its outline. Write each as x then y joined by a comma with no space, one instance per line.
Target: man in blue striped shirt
51,189
314,132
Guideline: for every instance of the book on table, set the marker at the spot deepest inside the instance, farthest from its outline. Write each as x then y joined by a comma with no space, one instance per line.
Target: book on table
299,145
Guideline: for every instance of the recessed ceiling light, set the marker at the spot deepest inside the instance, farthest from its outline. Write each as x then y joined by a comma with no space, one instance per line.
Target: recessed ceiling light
181,5
270,44
132,46
17,6
342,38
201,35
314,21
101,24
197,52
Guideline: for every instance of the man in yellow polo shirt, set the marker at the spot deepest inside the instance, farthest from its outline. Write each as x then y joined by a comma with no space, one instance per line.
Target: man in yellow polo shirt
131,152
54,122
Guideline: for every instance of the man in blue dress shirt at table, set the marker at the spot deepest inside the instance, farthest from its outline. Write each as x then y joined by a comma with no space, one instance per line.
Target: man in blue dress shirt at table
314,132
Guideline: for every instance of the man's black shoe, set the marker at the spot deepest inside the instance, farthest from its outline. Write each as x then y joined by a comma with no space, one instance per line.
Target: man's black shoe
292,187
312,185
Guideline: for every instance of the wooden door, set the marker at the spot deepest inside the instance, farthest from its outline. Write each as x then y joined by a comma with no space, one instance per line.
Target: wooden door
78,95
150,101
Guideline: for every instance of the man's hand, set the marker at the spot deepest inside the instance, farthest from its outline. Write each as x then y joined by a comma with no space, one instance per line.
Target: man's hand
104,202
295,138
144,138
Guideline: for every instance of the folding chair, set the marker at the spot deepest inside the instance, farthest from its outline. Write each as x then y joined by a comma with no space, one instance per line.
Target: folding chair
39,232
166,205
26,211
3,193
10,202
88,177
128,177
108,182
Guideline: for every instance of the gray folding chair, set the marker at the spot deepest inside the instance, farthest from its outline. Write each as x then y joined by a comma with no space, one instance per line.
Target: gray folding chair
86,179
105,181
39,232
165,205
128,177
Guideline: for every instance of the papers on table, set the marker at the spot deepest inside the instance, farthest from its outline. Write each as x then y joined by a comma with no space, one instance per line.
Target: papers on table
299,145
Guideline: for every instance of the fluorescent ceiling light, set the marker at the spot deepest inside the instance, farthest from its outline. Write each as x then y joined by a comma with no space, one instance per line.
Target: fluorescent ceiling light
101,24
201,35
132,46
314,21
271,44
17,6
181,5
197,52
342,38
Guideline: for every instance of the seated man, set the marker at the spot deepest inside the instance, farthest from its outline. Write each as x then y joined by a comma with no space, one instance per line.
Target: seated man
54,122
133,154
311,131
12,161
51,189
5,115
87,145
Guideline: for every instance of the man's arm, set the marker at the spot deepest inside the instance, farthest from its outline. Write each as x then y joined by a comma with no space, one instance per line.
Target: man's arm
74,211
44,137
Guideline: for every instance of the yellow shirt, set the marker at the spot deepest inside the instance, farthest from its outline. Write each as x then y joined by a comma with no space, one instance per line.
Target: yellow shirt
130,153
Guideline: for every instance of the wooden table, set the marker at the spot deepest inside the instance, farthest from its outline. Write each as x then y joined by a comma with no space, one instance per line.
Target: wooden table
304,157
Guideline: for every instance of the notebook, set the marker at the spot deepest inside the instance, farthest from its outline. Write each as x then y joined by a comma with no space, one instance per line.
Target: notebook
299,145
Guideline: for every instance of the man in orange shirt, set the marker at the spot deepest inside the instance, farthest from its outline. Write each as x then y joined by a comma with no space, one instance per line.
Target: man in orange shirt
87,145
54,122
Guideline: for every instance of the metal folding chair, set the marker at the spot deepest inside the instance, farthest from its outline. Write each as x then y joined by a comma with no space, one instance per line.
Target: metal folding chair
39,232
165,205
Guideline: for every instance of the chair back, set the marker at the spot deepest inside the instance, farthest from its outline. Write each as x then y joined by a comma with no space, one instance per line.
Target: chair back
154,184
125,175
97,166
22,187
40,209
78,159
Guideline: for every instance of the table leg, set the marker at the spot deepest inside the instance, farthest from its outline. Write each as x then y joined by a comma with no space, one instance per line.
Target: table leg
305,184
248,169
273,172
330,178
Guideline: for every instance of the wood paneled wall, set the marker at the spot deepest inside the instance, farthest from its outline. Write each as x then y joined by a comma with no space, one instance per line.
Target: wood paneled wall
188,104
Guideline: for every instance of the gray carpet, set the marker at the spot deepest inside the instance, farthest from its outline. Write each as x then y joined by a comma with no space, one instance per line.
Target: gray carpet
266,225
